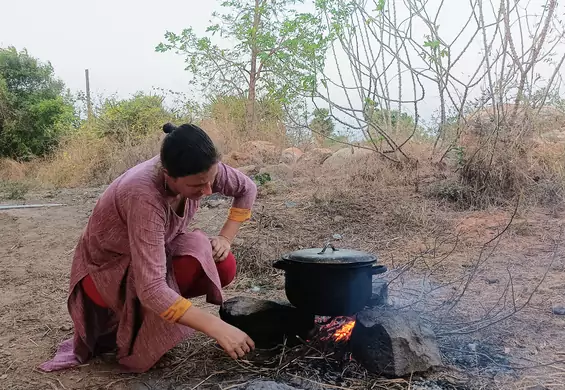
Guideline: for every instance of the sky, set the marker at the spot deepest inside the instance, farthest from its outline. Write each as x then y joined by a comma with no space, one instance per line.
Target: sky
116,41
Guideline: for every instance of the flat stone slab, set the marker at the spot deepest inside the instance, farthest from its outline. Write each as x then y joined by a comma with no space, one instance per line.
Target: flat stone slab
267,322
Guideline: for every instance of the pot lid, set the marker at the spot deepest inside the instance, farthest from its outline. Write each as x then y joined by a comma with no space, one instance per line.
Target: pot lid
329,255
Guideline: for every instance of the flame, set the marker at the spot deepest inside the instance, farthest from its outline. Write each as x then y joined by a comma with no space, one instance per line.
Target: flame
344,333
339,329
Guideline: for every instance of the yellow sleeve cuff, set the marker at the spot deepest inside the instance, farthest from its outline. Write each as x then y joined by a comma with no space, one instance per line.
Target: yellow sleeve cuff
239,215
177,309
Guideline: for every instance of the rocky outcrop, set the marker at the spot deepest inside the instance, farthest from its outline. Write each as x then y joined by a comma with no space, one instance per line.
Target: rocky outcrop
290,156
347,157
314,157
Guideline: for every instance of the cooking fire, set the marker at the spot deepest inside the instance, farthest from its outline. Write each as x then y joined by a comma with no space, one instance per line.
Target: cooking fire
338,329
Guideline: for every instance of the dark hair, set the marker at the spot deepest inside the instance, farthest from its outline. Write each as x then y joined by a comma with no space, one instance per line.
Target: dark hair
187,150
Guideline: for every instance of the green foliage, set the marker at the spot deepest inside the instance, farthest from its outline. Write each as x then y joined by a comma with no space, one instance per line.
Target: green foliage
322,124
132,119
274,50
34,110
381,5
382,118
262,178
401,118
435,47
323,128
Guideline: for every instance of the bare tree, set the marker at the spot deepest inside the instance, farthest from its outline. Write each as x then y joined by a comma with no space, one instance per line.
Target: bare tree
396,56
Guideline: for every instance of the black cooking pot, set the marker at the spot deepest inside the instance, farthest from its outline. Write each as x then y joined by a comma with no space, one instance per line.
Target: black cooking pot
336,282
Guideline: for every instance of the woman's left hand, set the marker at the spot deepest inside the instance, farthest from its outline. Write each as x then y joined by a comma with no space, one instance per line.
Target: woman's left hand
220,248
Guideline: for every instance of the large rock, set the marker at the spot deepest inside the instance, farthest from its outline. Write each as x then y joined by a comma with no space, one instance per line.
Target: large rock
290,156
394,343
314,157
267,322
347,158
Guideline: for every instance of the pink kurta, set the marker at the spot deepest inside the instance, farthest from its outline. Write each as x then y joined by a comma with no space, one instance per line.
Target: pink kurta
126,248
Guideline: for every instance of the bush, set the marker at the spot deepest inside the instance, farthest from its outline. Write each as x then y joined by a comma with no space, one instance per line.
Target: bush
498,163
34,112
131,120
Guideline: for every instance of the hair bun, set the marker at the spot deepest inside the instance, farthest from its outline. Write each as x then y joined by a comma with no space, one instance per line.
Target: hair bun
168,128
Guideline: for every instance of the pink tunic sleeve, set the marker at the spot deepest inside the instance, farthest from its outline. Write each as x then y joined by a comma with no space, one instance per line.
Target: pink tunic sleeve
231,182
146,230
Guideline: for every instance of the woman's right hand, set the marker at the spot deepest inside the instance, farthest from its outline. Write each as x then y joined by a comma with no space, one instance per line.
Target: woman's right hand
234,341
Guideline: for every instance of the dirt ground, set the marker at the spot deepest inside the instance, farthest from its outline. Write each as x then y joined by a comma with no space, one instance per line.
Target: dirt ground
431,250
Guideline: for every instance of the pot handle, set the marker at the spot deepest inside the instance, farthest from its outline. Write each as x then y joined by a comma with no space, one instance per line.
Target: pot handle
280,264
328,245
378,269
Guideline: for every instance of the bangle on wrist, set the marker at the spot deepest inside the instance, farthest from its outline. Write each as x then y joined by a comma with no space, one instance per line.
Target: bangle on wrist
221,235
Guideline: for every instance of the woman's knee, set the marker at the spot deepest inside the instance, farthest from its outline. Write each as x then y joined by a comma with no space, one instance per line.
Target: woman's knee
227,269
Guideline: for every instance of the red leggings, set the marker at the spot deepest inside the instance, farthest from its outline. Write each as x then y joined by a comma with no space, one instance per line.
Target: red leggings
190,276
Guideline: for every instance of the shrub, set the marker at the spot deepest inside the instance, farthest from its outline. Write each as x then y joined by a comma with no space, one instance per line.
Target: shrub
34,112
130,120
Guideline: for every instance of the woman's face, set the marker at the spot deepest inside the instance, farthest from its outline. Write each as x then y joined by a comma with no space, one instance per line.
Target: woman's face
194,186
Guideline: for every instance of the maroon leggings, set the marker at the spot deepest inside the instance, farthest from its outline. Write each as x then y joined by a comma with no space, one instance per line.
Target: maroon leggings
190,276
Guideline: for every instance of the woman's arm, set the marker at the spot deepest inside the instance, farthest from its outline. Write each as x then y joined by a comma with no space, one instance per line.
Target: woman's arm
146,230
234,341
231,182
146,222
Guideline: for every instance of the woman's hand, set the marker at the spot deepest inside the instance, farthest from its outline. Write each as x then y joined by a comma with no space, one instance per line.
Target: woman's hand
220,248
235,342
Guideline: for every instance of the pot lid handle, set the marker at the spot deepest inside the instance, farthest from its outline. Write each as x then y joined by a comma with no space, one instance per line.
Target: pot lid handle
328,245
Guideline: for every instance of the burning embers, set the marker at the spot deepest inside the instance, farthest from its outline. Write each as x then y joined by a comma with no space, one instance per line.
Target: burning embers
338,329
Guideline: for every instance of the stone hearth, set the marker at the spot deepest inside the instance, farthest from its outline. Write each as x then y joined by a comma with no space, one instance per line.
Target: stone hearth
383,339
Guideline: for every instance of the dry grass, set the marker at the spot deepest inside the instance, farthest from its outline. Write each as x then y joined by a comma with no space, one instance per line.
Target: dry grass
86,159
498,162
493,168
497,175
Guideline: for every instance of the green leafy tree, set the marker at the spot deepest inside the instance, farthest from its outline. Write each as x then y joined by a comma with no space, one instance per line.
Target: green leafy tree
322,125
34,109
396,118
271,50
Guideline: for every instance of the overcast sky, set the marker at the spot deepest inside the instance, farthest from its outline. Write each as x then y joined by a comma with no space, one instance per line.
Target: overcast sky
116,40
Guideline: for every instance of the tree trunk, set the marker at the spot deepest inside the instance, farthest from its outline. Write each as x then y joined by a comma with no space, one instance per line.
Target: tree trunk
251,97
